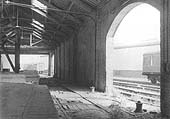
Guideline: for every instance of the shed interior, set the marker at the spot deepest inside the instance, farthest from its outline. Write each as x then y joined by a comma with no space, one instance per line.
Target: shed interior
72,35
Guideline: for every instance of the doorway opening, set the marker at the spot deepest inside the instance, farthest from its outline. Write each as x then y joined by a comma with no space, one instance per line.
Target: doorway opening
34,62
133,56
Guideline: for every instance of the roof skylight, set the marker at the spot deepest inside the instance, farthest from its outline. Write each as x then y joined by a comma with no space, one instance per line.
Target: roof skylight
37,22
42,8
37,25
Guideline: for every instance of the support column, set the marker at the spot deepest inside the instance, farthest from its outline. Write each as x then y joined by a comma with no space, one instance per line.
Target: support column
57,63
0,63
49,63
17,51
165,59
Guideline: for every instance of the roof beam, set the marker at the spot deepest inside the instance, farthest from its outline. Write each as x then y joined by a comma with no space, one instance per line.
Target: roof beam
35,43
101,4
82,5
48,17
69,8
53,7
29,50
50,6
44,37
43,33
46,24
49,29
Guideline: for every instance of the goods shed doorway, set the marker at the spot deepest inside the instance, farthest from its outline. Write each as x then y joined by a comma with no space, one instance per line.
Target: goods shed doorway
43,64
40,63
133,55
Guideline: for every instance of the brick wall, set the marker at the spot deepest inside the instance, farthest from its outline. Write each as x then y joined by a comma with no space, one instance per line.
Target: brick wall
106,16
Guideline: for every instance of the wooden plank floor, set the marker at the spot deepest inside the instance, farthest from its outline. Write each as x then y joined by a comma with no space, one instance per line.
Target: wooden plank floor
73,106
80,103
26,101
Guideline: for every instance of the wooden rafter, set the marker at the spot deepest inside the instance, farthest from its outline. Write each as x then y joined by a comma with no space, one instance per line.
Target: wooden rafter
82,5
64,26
53,7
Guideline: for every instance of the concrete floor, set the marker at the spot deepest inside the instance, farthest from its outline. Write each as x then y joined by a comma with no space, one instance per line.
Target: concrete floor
26,101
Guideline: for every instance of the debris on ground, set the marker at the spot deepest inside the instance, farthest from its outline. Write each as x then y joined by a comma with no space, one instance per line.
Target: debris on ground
74,103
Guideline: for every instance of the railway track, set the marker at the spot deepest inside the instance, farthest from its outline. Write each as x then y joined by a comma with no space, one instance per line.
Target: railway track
135,90
70,102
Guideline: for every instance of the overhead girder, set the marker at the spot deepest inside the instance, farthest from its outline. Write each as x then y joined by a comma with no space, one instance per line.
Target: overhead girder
47,29
53,8
69,16
51,31
51,24
28,50
45,38
8,40
83,5
48,33
91,3
16,43
25,39
50,17
45,35
4,32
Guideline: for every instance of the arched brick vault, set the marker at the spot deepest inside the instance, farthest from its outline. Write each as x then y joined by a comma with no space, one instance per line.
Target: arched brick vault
121,10
105,17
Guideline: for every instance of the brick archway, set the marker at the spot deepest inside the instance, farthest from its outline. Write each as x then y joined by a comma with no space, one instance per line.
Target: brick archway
118,16
123,10
105,19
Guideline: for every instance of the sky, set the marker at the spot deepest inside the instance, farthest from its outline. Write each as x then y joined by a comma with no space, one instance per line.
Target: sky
141,24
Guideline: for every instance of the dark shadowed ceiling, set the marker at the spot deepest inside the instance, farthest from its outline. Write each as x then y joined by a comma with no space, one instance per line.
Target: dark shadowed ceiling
43,23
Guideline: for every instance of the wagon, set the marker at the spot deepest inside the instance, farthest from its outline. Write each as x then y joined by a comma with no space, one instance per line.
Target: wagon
151,66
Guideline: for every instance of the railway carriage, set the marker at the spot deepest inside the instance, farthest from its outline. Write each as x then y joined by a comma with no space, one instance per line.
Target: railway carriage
151,66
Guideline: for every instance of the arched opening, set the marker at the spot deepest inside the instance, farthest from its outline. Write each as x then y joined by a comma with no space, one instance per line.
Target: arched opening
133,54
